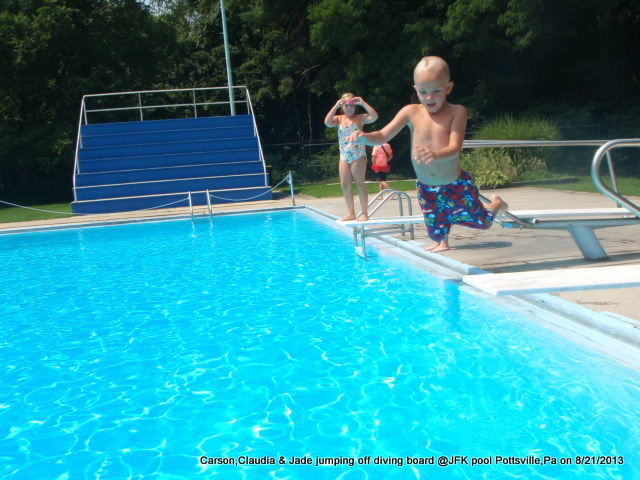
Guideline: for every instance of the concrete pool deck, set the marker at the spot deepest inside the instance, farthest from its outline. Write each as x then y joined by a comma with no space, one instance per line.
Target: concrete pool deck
497,250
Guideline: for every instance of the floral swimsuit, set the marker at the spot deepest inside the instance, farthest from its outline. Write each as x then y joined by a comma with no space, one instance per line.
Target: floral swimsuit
349,152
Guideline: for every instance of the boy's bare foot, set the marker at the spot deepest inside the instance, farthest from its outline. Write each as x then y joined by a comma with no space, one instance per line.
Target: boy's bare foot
347,218
363,218
498,206
442,246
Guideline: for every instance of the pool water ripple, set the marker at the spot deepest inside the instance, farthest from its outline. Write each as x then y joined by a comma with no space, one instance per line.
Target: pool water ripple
128,352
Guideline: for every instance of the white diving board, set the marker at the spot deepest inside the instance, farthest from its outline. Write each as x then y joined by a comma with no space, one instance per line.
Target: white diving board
571,212
383,221
580,222
522,214
565,280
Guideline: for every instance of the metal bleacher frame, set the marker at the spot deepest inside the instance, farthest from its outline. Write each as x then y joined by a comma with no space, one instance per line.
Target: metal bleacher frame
199,100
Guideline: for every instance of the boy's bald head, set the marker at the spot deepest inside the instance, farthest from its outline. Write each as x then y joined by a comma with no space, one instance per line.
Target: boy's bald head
433,65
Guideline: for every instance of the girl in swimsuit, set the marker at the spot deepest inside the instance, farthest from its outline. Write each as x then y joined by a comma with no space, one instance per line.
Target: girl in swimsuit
353,158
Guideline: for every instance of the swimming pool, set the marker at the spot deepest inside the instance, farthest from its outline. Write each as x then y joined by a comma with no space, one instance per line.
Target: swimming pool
155,350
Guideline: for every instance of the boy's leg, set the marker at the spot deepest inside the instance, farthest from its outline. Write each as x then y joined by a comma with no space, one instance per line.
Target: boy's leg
469,211
346,179
435,218
358,170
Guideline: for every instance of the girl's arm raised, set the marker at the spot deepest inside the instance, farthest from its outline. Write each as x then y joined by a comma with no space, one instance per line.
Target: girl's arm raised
371,115
330,120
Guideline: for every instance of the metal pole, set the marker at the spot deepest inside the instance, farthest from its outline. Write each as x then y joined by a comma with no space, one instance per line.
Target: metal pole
293,200
227,57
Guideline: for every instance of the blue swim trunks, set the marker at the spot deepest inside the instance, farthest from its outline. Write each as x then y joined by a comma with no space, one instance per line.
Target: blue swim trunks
455,203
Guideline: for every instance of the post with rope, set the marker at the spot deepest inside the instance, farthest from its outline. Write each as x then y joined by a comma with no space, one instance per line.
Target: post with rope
290,182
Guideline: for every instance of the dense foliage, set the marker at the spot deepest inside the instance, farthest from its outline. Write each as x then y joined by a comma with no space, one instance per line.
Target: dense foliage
571,61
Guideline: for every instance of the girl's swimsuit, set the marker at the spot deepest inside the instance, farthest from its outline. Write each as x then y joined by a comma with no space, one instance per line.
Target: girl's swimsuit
349,152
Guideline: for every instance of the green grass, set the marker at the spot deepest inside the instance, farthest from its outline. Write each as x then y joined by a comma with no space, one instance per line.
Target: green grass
628,186
16,214
334,189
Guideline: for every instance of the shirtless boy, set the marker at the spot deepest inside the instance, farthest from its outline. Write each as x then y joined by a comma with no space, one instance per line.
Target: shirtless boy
446,193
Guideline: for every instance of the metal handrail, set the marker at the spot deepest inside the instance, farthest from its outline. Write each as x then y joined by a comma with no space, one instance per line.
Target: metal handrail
532,143
141,107
390,192
546,143
255,130
595,172
84,111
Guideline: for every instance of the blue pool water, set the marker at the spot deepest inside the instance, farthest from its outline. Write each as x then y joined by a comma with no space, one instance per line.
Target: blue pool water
141,351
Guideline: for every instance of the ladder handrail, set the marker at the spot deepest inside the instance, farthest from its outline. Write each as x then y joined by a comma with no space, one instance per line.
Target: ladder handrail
390,193
595,172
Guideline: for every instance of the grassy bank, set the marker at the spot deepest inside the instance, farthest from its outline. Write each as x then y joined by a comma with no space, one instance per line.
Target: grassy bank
16,214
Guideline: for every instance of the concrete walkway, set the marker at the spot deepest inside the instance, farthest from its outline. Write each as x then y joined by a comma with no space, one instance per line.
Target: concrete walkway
496,250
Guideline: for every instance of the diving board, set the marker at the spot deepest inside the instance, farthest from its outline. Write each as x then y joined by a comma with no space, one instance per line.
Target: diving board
579,222
565,280
521,214
403,220
572,212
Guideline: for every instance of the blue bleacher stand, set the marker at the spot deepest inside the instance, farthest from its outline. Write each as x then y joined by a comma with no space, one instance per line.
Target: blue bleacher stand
128,166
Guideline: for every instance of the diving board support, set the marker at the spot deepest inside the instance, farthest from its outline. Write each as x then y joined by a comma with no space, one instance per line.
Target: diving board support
587,242
580,223
562,280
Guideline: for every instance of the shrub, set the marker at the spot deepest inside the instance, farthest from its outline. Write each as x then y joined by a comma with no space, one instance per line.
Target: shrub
496,167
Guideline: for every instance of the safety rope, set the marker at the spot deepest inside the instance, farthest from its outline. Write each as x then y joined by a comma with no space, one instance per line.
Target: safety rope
285,179
72,213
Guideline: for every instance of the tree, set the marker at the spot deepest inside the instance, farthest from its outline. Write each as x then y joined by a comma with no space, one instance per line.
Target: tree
55,51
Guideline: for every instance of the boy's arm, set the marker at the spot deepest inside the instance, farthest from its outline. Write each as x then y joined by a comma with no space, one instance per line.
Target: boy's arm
371,115
385,134
330,120
458,130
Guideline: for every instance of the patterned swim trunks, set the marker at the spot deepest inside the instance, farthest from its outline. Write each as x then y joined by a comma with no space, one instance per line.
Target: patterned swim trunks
455,203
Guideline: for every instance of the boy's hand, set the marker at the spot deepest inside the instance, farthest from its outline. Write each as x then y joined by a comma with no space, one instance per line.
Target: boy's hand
355,137
423,155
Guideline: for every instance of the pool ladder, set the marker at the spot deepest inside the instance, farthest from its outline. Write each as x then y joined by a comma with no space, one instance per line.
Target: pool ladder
386,195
